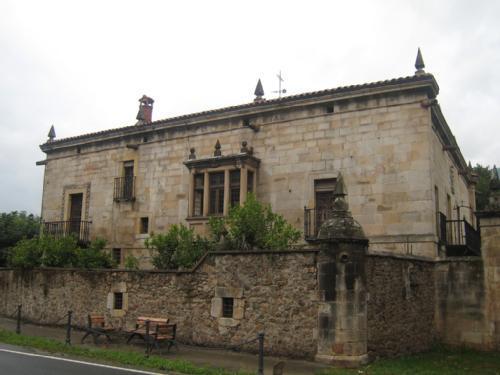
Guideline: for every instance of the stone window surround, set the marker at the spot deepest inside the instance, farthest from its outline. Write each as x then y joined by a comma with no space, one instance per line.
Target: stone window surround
75,189
216,310
242,162
120,287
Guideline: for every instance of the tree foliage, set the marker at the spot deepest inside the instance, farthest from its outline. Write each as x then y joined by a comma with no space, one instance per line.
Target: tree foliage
47,251
180,247
483,186
253,226
15,226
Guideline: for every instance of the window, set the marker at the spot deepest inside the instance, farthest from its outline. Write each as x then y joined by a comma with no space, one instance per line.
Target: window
144,225
234,177
329,108
250,178
227,307
118,301
216,193
199,183
117,255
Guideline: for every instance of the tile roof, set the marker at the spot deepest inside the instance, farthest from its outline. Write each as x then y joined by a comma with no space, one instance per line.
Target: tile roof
265,103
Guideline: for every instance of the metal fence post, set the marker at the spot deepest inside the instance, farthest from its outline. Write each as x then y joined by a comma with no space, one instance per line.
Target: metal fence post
68,328
147,339
261,354
18,323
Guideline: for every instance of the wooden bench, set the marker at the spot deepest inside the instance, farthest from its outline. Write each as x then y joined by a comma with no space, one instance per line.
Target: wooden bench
96,326
154,331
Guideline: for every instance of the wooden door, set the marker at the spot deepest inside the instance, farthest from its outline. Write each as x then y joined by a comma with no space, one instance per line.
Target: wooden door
75,213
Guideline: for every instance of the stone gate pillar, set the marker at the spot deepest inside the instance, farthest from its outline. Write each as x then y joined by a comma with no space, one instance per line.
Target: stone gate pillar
342,316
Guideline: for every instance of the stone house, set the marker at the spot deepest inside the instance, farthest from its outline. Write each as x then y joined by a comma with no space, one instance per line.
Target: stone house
408,184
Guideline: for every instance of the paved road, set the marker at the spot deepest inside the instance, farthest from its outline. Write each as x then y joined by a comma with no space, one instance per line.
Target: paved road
19,361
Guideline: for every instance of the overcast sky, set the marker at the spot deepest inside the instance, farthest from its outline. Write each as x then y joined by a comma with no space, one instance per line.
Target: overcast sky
82,65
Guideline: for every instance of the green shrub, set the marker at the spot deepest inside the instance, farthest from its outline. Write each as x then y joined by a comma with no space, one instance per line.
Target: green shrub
253,226
131,262
94,256
179,247
47,251
58,252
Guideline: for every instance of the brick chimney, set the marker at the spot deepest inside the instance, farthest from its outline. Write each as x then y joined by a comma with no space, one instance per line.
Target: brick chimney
145,113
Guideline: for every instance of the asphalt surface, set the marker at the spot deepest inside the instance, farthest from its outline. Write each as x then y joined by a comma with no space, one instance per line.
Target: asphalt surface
20,361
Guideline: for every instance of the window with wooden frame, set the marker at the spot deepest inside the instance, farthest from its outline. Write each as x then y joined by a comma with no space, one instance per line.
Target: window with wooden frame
216,188
199,183
219,183
234,187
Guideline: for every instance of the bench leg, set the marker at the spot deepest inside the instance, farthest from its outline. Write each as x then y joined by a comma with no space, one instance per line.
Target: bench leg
85,336
131,337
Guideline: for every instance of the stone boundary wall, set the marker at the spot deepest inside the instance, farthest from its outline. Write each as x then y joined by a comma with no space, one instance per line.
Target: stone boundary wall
275,293
400,305
411,302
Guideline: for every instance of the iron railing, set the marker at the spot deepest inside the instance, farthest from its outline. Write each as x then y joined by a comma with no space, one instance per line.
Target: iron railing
459,236
79,229
313,219
124,189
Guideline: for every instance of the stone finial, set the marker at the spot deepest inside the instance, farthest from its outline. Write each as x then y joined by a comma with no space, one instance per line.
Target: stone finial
244,148
52,133
192,154
259,92
217,151
419,63
341,225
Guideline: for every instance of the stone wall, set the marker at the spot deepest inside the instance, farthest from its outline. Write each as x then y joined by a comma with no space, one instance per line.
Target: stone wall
273,292
400,305
460,307
411,302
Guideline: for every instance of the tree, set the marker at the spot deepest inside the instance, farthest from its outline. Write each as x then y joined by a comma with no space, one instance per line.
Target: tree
483,186
15,226
253,226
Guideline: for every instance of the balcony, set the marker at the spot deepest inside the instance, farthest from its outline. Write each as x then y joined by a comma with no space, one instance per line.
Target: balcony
313,219
124,189
79,229
459,237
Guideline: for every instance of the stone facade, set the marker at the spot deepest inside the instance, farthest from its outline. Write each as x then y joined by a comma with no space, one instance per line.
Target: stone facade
388,139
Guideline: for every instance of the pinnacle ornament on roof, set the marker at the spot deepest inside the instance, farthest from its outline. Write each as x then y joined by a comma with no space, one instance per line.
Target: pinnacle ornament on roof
52,133
419,63
217,151
259,92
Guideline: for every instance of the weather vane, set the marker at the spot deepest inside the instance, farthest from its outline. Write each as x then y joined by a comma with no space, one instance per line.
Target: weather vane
280,79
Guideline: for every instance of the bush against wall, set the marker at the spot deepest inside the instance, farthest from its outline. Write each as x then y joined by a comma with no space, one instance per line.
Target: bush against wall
15,226
253,225
180,247
47,251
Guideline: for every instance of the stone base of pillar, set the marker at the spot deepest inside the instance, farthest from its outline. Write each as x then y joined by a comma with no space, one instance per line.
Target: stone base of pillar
346,361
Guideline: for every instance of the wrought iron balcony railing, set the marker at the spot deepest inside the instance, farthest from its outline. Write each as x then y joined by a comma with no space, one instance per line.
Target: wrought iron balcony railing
79,229
313,219
459,236
124,189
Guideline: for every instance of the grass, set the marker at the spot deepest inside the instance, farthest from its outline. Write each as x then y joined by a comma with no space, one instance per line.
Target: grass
441,360
127,358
